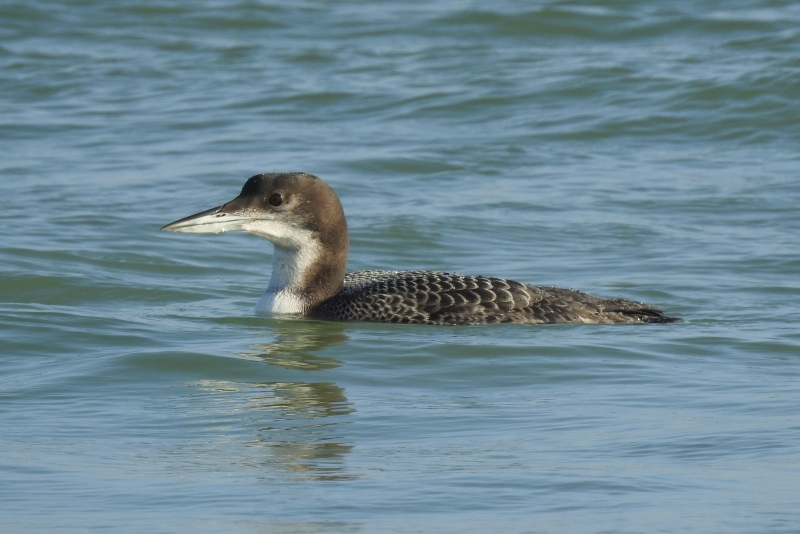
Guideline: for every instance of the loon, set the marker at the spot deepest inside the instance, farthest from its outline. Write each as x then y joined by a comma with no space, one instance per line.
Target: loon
302,216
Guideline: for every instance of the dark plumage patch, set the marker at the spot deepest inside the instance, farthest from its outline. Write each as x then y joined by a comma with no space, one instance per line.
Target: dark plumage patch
440,298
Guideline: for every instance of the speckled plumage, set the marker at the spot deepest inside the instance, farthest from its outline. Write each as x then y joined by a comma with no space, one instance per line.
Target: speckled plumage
441,298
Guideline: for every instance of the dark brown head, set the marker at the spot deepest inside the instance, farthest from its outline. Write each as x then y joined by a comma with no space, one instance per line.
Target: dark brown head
285,208
299,213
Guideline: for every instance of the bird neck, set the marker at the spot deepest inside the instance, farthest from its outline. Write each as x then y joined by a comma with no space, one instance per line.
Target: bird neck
304,276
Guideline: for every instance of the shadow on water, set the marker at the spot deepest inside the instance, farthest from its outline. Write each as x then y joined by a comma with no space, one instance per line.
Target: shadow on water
295,426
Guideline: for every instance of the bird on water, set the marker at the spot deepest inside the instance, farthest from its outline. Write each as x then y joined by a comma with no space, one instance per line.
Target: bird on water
302,216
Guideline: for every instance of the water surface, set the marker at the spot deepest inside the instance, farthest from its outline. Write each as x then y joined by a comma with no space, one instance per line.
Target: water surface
645,149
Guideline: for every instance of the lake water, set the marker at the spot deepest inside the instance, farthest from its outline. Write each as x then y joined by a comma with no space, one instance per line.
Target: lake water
641,149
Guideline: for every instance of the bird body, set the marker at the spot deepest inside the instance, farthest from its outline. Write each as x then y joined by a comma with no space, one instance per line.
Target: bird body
303,218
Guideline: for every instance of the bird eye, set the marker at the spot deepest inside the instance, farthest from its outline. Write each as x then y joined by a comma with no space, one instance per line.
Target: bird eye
275,199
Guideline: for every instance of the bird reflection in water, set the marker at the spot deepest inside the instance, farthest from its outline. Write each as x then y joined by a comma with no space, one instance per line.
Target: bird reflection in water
297,424
296,342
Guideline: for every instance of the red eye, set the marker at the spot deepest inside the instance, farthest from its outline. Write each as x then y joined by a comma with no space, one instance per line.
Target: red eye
275,199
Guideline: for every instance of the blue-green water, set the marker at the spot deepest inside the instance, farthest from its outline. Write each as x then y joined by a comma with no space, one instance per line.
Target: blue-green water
643,149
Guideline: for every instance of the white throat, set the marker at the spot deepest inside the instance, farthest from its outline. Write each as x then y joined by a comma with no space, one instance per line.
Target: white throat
287,288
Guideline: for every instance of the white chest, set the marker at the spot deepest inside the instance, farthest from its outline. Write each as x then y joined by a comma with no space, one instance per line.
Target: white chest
281,302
